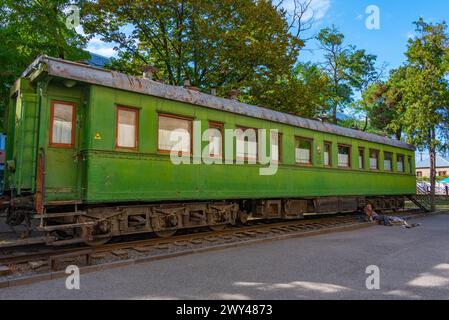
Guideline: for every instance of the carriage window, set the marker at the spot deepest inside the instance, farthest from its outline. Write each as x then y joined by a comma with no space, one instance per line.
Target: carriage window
175,134
127,123
276,146
388,161
400,163
361,158
344,156
62,124
327,154
374,159
303,151
247,143
215,140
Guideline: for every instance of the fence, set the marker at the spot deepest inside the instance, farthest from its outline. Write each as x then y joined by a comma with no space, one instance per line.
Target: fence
439,190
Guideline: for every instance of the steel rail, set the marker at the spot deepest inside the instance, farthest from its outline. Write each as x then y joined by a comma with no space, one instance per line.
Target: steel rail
315,223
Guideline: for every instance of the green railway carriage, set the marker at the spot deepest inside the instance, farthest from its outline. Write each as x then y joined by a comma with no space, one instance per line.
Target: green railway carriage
87,154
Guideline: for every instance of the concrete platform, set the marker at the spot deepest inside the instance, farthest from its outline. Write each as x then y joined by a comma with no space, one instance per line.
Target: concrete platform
414,264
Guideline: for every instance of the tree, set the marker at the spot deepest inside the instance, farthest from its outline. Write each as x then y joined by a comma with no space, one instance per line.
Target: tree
426,92
28,29
214,44
304,92
348,68
384,103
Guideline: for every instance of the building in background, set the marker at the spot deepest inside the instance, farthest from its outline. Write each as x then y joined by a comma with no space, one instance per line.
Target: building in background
442,167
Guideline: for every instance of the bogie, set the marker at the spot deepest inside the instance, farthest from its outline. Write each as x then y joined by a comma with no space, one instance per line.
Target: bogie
96,226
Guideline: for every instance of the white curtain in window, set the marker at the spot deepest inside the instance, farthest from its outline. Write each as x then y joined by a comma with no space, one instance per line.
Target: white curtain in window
126,135
400,166
62,123
327,160
373,163
361,164
387,165
215,142
303,156
274,151
343,160
247,141
174,134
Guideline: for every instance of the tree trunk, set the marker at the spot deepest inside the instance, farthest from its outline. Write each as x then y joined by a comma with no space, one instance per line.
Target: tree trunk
432,154
366,124
334,115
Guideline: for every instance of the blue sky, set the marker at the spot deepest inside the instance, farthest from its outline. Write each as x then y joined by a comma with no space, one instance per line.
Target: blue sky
388,43
396,25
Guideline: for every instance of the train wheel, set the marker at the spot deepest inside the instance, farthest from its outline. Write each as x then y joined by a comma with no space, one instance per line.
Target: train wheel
165,233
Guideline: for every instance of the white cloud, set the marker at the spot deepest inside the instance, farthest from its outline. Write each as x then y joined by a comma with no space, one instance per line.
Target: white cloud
318,8
102,51
410,35
96,45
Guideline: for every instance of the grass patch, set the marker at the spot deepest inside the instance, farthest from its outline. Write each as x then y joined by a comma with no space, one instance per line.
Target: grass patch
442,204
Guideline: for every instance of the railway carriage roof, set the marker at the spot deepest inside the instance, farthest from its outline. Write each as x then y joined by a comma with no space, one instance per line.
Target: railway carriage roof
92,75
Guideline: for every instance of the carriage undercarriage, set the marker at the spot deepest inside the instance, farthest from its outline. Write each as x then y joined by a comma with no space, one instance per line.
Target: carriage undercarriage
96,225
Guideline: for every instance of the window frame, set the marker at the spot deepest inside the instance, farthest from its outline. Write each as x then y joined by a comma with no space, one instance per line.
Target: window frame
392,157
219,126
136,131
52,119
362,149
310,164
419,174
246,158
173,116
378,159
349,155
329,143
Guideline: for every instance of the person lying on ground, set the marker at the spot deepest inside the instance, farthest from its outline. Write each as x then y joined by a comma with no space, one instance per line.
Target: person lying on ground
387,220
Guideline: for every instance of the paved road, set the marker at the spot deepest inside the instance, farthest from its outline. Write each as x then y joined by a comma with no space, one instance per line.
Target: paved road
414,264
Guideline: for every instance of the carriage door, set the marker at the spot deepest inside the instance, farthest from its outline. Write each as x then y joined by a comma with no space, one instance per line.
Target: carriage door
61,157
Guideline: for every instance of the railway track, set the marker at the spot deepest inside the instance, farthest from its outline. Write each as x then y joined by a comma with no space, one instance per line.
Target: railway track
39,259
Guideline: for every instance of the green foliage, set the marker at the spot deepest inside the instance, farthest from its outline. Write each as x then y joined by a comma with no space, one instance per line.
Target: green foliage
348,69
223,44
385,104
426,89
245,45
304,92
28,29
